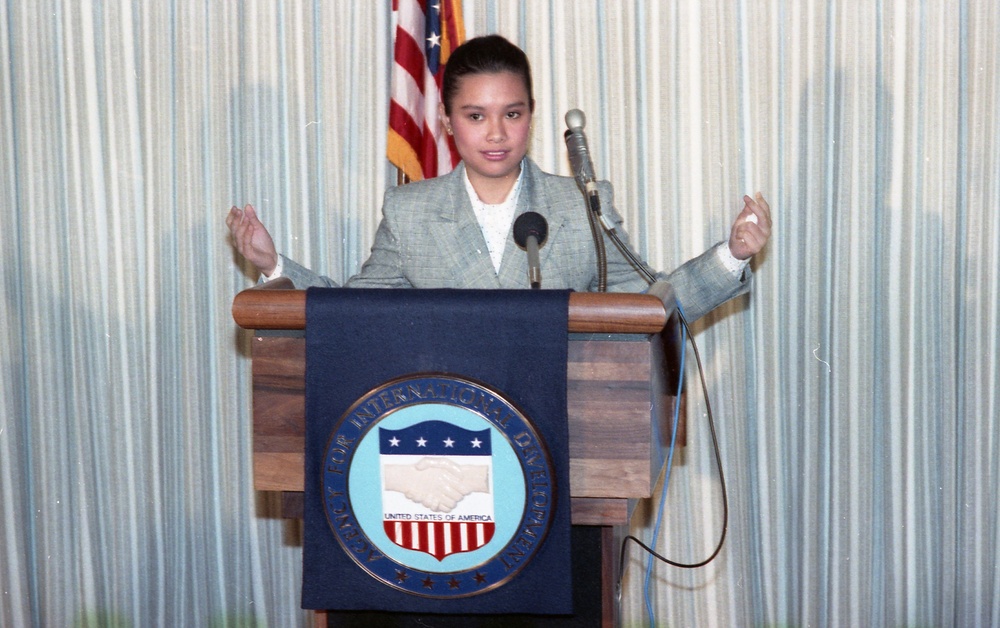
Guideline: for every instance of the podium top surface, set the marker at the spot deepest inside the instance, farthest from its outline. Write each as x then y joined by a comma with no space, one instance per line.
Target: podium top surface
277,305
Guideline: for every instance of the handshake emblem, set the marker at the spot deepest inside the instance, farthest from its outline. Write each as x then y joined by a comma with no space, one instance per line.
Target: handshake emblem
436,482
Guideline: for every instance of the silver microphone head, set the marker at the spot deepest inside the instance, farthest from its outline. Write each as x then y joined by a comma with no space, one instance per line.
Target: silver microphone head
579,154
575,119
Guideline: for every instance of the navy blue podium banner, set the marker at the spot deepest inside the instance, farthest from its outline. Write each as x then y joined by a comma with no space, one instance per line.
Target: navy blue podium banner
437,452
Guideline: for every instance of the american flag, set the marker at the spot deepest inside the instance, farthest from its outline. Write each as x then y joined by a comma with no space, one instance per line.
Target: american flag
426,33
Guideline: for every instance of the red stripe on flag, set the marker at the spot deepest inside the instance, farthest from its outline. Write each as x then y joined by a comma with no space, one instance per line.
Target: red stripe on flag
401,122
429,155
410,56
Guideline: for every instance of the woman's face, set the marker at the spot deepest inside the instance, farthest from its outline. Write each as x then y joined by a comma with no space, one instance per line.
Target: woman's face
490,120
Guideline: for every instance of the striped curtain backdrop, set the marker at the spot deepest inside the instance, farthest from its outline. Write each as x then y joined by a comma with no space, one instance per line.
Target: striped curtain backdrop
855,391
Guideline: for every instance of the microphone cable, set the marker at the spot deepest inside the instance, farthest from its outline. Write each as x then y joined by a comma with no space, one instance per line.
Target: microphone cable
624,248
685,334
593,217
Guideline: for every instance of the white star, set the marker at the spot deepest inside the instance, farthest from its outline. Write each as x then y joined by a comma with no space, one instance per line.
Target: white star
421,442
476,443
449,443
434,40
394,441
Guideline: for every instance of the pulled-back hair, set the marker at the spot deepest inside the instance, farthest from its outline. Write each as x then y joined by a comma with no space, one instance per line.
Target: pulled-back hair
489,54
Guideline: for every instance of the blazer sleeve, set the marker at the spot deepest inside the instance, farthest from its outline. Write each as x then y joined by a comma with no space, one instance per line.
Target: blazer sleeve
700,284
704,283
384,266
302,277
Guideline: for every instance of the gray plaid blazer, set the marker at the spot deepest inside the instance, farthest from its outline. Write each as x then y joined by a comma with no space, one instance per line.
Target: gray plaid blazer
429,238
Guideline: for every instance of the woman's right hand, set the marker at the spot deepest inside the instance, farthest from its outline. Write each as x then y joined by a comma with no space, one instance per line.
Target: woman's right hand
251,239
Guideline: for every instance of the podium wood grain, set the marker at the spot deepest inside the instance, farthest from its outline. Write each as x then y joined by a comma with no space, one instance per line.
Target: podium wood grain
617,411
618,401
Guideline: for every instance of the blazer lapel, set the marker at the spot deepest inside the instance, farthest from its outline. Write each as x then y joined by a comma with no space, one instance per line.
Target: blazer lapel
514,267
462,238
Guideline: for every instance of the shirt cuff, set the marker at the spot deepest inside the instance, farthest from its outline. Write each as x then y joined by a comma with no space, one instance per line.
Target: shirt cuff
733,265
277,270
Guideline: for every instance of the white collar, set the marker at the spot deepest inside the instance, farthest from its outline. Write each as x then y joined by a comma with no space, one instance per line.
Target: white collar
479,205
495,220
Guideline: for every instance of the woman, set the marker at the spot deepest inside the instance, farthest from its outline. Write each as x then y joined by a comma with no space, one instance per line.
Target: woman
455,231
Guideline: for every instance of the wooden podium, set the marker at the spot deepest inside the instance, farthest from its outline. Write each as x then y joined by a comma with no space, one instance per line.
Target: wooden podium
623,349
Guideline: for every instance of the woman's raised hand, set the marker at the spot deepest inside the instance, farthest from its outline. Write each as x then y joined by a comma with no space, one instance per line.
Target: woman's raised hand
251,238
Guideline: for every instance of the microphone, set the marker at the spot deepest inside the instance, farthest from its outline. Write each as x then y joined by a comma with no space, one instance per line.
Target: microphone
583,171
583,167
530,231
579,154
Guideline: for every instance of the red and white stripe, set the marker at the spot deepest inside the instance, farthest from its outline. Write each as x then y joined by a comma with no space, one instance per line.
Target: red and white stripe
418,144
440,538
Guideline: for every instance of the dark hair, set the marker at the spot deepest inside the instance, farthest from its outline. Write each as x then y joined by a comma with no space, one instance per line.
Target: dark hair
489,54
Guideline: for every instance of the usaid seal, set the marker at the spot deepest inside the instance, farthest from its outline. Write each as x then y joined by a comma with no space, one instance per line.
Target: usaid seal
438,486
